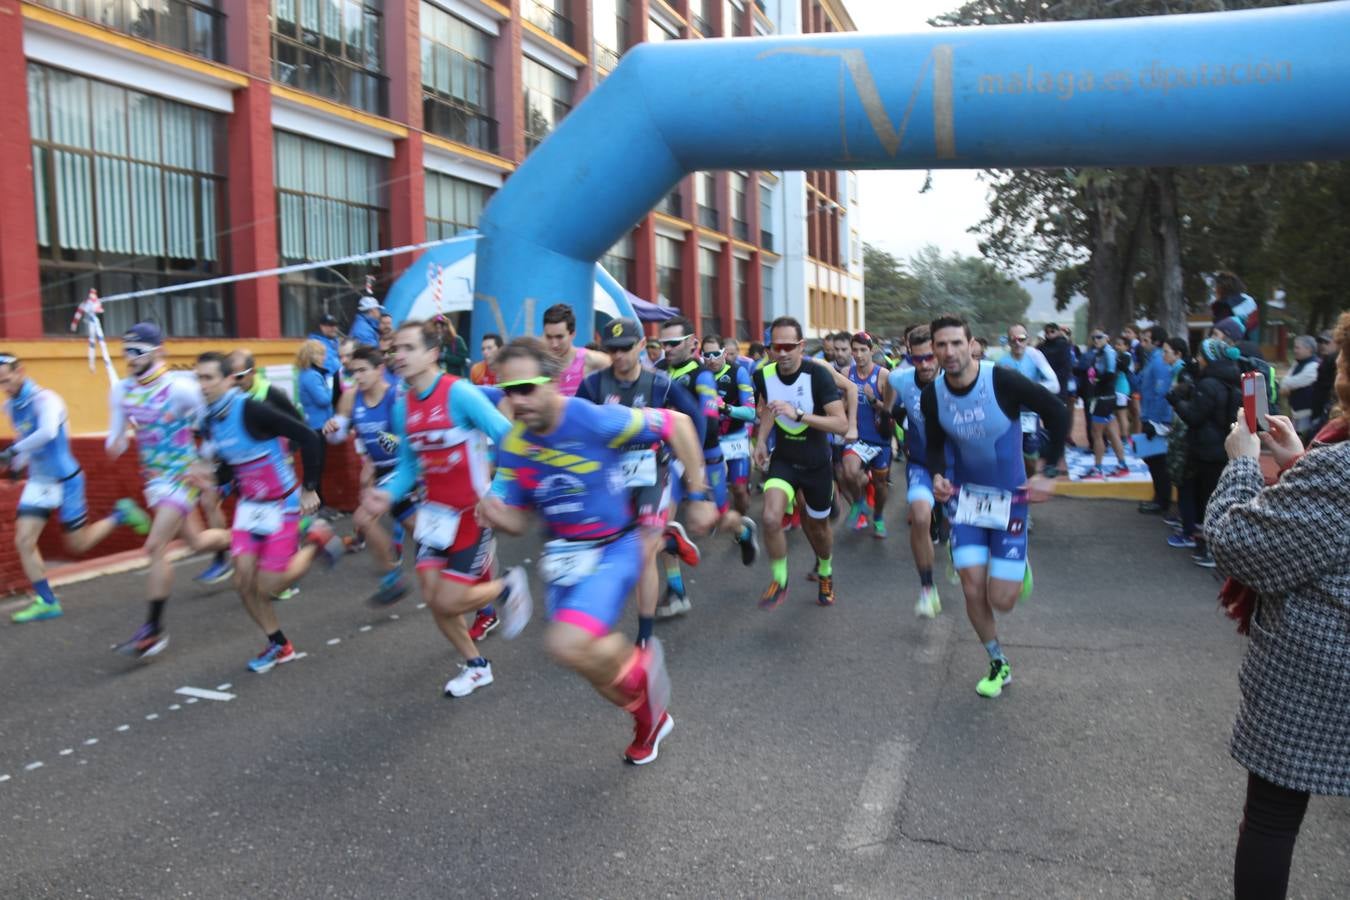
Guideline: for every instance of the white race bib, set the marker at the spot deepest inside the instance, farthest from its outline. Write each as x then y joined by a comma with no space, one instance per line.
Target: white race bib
260,517
639,468
40,494
736,446
437,525
567,563
1030,422
983,507
866,452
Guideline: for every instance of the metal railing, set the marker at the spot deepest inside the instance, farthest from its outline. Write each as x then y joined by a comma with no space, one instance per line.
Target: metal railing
553,16
448,120
196,28
298,66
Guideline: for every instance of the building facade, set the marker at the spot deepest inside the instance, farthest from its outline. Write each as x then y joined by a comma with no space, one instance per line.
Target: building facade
188,139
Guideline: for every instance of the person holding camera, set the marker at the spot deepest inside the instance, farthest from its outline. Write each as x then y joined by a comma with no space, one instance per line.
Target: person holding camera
1286,551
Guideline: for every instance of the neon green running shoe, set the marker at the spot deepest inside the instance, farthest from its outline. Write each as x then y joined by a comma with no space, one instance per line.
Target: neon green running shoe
879,530
953,576
37,611
130,514
1000,675
287,594
1027,583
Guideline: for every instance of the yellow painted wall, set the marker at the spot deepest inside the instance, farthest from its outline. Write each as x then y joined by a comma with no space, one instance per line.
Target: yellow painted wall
61,365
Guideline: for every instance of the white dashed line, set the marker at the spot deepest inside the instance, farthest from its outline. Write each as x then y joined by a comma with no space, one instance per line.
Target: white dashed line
33,765
152,717
66,752
333,642
191,700
365,628
91,742
174,707
194,694
4,778
123,727
421,606
393,616
878,796
224,687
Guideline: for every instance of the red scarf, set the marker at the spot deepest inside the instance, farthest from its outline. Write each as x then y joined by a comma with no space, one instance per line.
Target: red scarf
1236,599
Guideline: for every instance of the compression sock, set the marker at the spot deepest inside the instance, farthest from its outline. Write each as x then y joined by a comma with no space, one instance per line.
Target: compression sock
779,569
277,637
994,650
44,590
926,578
156,610
824,567
222,558
674,580
644,629
477,662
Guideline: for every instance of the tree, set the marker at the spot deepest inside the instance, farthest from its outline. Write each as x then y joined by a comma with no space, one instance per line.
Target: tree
891,291
930,284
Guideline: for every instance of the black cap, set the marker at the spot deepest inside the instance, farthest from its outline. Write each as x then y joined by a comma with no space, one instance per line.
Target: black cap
328,319
621,334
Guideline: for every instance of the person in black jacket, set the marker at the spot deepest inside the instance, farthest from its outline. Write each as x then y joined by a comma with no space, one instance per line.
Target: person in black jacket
1208,409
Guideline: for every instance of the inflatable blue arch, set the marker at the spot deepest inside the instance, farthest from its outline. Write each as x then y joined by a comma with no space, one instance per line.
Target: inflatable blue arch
1267,85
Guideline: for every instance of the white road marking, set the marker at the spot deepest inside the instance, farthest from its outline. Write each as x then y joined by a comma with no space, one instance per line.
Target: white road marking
224,687
33,765
4,778
66,752
123,727
333,642
91,742
364,628
393,616
299,656
152,717
191,700
879,796
196,694
935,637
174,707
421,606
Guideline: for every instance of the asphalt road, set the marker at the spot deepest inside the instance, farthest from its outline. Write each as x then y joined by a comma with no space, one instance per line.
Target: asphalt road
817,752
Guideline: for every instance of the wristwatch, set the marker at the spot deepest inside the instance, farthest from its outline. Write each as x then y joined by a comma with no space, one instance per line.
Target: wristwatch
801,414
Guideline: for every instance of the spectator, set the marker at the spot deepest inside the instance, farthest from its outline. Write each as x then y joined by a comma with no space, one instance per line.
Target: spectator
366,325
1175,354
1299,386
483,372
1127,387
1324,388
1288,545
313,394
1231,300
326,333
1100,368
1230,331
1208,412
1059,354
454,350
1155,380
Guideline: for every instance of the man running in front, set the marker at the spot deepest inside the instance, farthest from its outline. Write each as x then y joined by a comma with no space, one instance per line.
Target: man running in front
440,425
163,409
564,459
800,404
975,408
55,485
265,540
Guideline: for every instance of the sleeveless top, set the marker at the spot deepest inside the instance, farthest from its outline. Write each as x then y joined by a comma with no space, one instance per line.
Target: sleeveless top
570,379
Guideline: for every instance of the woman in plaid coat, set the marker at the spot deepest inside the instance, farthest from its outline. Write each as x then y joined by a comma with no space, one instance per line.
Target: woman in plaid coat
1290,544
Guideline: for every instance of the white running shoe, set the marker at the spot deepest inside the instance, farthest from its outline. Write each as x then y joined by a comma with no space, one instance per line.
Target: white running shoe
469,679
515,611
929,605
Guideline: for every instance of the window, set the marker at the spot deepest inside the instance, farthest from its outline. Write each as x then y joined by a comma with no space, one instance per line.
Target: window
740,297
658,32
611,30
552,16
130,194
705,194
707,290
766,293
740,217
193,26
453,205
457,80
330,48
331,202
667,271
671,204
619,261
766,216
548,99
700,17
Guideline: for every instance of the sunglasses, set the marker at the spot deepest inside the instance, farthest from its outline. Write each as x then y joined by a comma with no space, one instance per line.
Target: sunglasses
523,387
673,342
712,354
136,352
1099,337
924,358
785,348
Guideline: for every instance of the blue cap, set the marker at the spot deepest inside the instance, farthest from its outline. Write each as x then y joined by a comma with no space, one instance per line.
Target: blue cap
144,334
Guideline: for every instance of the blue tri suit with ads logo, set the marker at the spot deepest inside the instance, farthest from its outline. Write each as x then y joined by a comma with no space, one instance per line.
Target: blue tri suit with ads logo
867,420
909,393
55,481
981,425
573,476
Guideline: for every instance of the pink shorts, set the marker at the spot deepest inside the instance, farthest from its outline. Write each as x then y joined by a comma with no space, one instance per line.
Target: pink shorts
273,551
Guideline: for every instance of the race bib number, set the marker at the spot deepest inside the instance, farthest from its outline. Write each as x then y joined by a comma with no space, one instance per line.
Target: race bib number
983,507
1030,422
437,525
568,563
865,452
639,468
736,446
39,494
258,517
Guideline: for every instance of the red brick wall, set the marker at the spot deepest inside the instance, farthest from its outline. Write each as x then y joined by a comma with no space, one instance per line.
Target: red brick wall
107,480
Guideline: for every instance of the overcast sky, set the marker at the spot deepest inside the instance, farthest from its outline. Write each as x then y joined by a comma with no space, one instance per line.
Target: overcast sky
895,216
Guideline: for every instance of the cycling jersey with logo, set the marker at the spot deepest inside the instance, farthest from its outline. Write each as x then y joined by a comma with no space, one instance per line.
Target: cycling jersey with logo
374,428
699,382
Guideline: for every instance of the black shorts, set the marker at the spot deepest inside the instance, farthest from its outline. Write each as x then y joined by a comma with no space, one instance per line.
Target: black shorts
813,486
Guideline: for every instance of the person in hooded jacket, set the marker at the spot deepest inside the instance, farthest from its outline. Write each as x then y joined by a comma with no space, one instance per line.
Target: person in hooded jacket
1208,409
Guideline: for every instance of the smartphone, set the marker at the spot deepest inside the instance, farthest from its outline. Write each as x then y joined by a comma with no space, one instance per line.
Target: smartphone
1255,401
